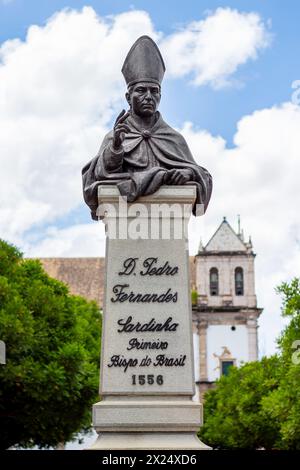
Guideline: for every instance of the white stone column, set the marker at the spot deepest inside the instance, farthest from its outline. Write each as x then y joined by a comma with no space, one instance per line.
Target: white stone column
147,369
252,338
202,329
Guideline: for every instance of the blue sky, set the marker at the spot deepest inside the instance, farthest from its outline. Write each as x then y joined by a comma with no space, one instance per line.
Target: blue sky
61,91
268,80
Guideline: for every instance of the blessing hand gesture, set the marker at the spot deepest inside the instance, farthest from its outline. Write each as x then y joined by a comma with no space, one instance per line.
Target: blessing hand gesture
120,129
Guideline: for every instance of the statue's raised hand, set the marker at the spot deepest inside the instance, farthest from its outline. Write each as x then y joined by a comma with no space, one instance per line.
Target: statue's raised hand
120,129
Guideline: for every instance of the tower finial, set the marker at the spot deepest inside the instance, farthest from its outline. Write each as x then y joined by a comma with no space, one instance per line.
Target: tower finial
239,224
201,247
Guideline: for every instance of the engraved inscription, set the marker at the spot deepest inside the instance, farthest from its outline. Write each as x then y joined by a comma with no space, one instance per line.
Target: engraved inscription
151,343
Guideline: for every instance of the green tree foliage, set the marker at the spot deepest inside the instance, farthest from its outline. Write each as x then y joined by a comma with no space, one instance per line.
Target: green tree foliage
283,404
290,309
52,341
258,405
234,417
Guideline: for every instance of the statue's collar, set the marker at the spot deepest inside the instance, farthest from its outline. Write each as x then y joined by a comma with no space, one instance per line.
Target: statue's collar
137,123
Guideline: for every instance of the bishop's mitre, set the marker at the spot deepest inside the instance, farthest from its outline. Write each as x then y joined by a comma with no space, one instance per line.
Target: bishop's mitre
143,63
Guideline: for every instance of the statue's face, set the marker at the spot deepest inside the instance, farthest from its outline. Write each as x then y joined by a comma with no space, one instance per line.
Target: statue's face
144,98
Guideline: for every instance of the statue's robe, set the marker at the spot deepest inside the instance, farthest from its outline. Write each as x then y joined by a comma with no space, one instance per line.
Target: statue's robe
141,167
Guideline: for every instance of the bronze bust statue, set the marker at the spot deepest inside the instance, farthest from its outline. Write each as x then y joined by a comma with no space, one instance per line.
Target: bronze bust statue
142,152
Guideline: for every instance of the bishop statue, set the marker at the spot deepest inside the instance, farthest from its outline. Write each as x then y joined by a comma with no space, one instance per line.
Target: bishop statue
143,152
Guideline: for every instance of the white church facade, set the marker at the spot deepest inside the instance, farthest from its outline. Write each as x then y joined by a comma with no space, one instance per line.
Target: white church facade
226,313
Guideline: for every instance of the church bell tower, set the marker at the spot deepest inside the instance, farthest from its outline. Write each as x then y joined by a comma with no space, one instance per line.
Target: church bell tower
225,315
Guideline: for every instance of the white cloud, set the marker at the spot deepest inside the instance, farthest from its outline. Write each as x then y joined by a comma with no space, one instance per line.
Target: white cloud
60,88
258,179
82,240
212,49
58,91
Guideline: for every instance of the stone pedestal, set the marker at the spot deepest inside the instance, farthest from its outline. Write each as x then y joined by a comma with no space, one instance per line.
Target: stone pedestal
147,370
